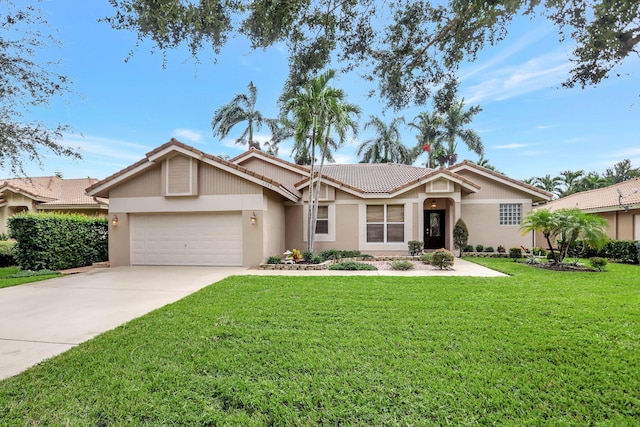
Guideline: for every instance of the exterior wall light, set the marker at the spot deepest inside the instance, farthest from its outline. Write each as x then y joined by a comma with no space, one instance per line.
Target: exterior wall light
115,220
434,204
254,218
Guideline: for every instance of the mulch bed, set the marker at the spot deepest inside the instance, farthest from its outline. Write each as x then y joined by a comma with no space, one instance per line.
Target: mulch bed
559,266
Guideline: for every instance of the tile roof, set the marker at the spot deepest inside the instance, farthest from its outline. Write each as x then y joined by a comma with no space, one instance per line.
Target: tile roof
198,154
471,165
601,199
375,177
53,191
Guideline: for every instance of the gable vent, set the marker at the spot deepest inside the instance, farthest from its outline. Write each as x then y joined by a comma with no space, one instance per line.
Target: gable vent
180,172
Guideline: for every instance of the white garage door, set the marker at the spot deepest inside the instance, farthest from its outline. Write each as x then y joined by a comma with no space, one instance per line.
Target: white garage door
185,239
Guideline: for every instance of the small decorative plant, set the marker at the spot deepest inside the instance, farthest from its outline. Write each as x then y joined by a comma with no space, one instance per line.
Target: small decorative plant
488,249
415,247
468,248
296,255
274,259
426,258
501,249
598,262
402,265
479,248
442,258
515,253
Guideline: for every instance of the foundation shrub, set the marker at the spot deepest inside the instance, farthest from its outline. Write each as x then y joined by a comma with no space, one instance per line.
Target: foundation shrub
402,265
442,258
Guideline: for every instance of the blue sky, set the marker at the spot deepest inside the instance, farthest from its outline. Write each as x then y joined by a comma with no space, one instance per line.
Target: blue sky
529,125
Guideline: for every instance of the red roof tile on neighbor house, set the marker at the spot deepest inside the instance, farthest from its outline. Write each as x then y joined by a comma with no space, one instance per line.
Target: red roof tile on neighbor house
52,190
601,199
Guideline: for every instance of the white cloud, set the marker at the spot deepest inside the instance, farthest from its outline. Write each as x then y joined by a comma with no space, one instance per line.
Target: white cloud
510,50
106,148
507,82
188,134
509,146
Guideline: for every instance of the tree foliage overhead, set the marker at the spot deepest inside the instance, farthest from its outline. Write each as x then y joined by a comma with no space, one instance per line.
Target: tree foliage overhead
410,47
25,85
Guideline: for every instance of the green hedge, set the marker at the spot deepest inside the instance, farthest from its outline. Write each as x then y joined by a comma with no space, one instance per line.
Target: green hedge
614,250
7,253
57,241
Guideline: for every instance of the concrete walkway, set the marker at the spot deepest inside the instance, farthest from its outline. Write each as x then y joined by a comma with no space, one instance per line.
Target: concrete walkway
43,319
460,268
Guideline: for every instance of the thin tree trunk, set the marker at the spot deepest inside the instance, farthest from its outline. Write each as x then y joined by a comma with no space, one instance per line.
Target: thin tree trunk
310,231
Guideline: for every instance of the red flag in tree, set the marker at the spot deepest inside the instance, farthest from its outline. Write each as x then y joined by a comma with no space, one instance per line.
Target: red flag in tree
427,148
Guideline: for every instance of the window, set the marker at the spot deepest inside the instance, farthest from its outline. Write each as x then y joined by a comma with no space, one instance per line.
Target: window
510,213
322,220
385,223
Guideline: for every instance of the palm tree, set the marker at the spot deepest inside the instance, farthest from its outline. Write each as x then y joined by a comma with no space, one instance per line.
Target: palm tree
313,108
541,220
547,183
455,119
386,146
569,179
429,126
242,108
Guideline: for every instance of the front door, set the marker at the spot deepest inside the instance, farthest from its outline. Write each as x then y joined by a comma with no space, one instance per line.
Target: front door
434,229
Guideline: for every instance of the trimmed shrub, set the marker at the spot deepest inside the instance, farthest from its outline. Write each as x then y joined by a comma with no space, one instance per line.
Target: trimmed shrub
598,262
56,241
426,258
307,256
489,249
515,253
352,265
317,259
274,259
468,248
415,247
7,253
442,258
402,265
460,234
479,248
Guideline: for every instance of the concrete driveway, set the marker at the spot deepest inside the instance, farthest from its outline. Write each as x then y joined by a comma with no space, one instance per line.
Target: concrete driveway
44,319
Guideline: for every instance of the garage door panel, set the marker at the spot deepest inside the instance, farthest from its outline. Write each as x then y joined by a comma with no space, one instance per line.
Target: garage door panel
181,239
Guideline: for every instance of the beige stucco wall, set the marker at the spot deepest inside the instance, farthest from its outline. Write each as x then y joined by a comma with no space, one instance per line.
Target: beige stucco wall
274,227
483,223
219,191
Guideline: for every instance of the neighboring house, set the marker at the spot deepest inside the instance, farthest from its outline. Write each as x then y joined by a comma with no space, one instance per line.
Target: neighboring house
179,205
48,193
619,204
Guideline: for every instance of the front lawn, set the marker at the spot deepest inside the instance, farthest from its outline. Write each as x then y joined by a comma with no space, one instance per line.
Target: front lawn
12,276
537,348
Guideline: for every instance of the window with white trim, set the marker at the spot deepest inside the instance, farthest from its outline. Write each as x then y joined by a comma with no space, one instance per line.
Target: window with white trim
322,220
385,223
510,213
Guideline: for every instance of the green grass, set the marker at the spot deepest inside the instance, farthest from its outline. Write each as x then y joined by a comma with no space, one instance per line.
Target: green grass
12,276
536,348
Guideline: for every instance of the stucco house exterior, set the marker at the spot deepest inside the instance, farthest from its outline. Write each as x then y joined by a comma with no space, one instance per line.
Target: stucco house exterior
48,193
180,205
619,204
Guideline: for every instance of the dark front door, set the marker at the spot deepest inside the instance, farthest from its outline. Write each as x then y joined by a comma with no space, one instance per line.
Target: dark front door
433,229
